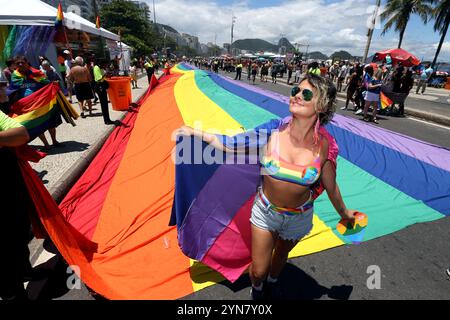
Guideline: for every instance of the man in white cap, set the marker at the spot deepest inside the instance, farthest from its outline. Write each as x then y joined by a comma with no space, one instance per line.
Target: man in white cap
68,64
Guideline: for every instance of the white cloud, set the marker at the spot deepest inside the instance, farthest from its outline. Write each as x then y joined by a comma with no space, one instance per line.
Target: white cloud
325,27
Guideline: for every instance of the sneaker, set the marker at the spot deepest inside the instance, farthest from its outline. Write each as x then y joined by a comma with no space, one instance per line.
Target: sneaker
344,108
375,120
257,295
359,111
448,272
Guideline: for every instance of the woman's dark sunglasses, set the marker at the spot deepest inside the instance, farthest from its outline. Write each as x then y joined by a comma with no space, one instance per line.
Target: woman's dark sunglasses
306,93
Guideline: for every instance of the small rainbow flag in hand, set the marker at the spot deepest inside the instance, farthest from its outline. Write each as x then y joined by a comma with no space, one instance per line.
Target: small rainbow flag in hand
353,232
385,101
59,16
97,22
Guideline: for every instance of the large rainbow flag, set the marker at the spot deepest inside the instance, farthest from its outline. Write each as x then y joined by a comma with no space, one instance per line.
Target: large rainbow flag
115,226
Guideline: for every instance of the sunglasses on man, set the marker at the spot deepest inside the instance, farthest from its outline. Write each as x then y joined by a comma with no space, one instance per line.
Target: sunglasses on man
307,94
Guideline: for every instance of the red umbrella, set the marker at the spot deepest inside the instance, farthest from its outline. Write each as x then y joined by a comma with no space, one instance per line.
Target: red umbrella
398,55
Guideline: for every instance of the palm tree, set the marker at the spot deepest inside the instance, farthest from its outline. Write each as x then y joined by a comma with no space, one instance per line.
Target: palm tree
398,12
441,15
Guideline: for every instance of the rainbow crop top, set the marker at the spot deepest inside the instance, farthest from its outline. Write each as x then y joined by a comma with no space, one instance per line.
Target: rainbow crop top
273,165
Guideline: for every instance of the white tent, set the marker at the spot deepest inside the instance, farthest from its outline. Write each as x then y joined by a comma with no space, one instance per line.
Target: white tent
266,55
38,13
121,49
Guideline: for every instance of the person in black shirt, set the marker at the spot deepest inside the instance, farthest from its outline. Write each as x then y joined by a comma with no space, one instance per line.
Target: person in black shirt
406,84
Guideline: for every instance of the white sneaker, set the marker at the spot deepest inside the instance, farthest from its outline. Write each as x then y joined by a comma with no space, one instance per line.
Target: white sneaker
359,111
343,108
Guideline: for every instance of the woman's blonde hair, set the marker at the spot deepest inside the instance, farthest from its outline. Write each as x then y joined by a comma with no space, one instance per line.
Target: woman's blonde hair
326,101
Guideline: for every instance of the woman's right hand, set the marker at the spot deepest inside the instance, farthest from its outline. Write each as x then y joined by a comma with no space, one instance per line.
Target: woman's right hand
189,131
184,131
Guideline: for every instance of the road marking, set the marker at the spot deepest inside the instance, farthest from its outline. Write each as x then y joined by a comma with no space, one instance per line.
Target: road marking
415,119
429,123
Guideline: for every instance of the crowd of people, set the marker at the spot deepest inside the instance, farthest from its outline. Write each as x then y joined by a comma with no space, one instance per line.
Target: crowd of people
82,77
363,84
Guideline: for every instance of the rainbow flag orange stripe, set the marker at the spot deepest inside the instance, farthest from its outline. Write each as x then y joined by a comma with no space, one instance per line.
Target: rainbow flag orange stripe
385,101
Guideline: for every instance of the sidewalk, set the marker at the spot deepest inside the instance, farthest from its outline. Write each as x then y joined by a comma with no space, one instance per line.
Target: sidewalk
432,106
79,145
63,165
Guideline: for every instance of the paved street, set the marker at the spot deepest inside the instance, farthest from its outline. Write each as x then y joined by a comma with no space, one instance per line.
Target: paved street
412,261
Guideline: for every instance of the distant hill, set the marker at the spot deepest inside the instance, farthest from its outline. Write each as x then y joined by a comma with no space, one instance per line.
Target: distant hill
255,45
317,55
341,55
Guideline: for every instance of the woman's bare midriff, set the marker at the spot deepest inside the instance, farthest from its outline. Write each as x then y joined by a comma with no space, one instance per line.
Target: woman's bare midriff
285,194
282,193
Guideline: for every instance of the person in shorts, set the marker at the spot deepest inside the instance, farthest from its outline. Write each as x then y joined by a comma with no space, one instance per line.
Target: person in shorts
297,164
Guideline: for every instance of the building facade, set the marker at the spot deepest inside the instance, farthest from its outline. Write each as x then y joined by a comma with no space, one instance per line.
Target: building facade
192,41
145,9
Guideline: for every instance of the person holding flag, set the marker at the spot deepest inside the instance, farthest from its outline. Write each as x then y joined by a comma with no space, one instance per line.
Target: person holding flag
26,80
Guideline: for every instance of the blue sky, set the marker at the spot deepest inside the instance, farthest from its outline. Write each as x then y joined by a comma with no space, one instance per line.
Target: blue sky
327,25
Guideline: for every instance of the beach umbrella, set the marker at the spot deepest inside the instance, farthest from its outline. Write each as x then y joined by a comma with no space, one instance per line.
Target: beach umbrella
398,55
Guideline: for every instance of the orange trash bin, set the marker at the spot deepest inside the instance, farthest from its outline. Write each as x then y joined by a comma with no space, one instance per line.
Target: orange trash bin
447,85
119,92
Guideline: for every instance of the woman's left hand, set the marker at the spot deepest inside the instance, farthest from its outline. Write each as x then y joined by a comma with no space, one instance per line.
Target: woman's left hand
349,215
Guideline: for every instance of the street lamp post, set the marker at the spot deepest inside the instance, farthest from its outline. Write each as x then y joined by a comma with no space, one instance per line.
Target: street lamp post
233,20
307,47
154,13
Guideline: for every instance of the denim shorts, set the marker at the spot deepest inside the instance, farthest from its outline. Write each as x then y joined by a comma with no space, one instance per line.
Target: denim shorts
291,228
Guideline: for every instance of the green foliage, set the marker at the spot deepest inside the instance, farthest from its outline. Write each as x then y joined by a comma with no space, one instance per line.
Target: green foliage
136,31
441,13
136,43
398,13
